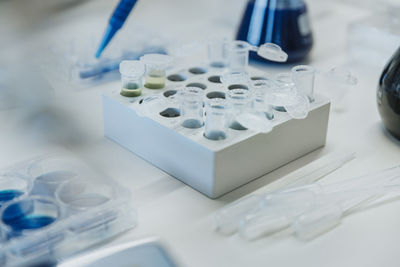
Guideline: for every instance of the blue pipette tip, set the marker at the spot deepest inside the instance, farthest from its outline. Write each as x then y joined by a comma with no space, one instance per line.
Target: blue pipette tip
108,35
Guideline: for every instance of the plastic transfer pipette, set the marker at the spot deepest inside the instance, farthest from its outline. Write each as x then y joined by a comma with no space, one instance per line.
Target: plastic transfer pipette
228,218
115,23
327,216
322,171
312,210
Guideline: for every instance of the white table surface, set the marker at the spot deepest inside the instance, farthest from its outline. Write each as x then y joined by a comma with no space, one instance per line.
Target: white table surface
179,215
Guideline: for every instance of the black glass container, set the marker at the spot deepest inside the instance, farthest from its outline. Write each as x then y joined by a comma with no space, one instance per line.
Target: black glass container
282,22
388,95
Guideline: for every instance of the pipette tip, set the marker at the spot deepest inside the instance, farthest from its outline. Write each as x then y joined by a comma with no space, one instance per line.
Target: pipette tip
108,35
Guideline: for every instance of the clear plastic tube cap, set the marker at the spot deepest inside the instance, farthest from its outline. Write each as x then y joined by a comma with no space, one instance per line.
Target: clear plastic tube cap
297,106
131,68
235,77
151,105
342,76
159,60
280,96
272,52
186,49
256,121
238,45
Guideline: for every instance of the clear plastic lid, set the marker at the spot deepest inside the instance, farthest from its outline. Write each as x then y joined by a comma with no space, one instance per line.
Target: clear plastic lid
272,52
79,196
342,76
297,106
13,185
151,105
238,45
131,68
157,60
256,121
235,77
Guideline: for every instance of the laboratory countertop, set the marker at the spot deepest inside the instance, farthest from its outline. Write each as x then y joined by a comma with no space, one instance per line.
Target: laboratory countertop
183,217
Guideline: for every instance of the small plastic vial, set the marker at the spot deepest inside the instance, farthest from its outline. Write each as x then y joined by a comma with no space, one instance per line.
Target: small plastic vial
303,77
238,54
156,65
285,86
236,80
260,89
216,122
191,107
239,100
218,52
131,76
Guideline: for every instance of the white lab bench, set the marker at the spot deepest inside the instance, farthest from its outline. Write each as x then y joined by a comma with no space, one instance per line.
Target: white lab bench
181,216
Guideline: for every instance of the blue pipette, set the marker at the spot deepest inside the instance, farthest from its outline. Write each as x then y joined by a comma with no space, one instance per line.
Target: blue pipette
117,19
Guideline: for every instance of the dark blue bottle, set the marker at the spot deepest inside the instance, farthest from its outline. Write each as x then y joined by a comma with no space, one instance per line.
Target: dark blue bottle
388,95
282,22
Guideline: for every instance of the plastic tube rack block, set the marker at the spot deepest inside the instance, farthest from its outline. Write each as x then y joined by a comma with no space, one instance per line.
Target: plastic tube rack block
150,126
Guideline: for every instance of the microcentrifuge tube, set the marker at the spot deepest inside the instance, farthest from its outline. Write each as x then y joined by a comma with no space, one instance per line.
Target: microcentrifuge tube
260,89
156,65
191,107
131,76
216,122
303,77
218,51
239,101
238,54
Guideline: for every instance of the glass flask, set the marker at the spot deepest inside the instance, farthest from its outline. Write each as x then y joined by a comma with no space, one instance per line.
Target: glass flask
388,95
282,22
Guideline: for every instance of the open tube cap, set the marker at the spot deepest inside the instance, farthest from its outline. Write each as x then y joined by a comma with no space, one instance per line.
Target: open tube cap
160,60
131,68
342,76
298,106
256,121
272,52
151,105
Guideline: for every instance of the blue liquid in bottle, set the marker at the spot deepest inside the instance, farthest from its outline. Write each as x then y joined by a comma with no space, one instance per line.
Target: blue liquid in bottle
283,22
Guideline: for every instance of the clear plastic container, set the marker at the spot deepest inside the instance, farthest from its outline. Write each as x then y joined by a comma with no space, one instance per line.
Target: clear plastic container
260,90
239,101
216,124
303,77
236,80
23,216
156,65
338,83
76,196
191,107
132,72
70,58
218,52
238,52
13,185
49,172
44,224
285,87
